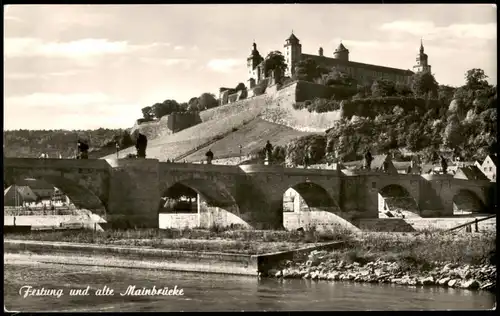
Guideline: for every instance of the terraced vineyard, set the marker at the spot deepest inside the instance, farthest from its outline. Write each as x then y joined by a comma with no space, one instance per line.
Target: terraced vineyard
221,123
251,137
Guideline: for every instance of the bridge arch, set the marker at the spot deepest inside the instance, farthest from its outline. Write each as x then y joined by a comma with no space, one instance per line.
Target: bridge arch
309,205
211,200
468,201
81,195
395,200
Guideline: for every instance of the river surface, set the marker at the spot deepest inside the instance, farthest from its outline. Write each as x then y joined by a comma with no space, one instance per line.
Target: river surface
211,292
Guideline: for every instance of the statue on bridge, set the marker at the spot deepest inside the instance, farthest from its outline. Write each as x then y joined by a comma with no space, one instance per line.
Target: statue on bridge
307,157
83,150
140,145
444,165
368,160
210,156
268,150
385,166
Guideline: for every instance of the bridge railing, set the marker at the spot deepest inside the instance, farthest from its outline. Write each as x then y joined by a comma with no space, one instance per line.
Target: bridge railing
469,225
55,163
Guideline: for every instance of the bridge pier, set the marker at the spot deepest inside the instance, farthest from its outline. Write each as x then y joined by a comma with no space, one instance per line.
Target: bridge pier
134,194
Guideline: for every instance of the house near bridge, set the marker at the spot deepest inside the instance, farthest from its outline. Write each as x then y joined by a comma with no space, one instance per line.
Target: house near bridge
489,167
41,188
18,195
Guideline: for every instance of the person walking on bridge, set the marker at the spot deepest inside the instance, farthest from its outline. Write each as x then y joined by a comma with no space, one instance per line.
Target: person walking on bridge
307,157
210,156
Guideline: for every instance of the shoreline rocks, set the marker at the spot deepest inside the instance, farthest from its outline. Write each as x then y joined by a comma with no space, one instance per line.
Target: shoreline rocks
319,267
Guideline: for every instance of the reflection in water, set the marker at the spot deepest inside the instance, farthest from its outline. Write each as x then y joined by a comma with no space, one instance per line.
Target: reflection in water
209,292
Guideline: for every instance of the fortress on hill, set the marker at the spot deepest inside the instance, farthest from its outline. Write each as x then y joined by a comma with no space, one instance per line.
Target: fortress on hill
363,73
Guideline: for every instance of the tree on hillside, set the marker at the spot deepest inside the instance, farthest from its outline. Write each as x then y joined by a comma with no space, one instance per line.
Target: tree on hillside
335,76
457,107
383,88
424,84
125,140
446,93
278,154
274,60
165,108
452,137
147,113
307,70
475,78
403,89
240,87
193,104
183,107
207,101
314,145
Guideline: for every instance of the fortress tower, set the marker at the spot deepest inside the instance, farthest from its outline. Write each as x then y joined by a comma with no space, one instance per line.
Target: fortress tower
293,53
362,72
252,62
341,53
422,61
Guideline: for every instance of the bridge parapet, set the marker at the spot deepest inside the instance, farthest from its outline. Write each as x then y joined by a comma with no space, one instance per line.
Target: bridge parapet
192,167
276,169
437,177
146,165
364,172
53,163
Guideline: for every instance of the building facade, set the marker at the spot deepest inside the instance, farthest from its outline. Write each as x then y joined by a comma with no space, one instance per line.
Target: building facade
489,167
361,72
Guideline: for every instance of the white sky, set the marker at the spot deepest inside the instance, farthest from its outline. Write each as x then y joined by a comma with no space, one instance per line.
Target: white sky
91,66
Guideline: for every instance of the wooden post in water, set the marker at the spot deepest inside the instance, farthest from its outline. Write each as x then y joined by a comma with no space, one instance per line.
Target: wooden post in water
476,227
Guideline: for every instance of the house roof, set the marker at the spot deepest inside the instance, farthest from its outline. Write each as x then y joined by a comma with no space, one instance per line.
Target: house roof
401,165
323,60
493,159
25,193
35,184
340,48
378,161
471,173
293,38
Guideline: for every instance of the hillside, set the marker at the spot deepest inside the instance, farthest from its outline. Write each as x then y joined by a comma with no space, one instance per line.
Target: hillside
219,122
252,137
428,121
32,143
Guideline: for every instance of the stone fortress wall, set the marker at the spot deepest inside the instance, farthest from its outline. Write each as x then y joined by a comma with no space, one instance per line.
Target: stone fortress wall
278,109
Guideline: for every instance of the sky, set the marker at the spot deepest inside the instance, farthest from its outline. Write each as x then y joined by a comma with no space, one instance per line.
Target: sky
92,66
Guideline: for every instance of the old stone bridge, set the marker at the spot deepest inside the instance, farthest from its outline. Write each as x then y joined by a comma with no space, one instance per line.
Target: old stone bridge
130,189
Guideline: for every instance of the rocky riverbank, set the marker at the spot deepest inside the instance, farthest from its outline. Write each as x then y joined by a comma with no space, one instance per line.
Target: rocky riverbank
320,267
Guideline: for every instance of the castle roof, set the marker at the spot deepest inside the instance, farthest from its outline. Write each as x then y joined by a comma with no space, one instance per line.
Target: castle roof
322,60
35,184
293,38
340,48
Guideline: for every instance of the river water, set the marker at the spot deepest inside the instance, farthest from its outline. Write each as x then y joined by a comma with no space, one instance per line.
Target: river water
211,292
